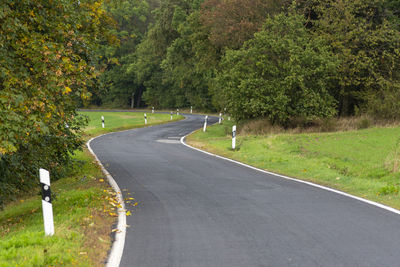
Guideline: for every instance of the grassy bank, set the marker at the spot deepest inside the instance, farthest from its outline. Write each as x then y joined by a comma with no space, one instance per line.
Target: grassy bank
84,209
361,162
82,228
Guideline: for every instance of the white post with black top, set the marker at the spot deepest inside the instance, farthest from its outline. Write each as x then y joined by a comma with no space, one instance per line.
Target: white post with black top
102,121
171,115
233,137
191,109
177,111
220,118
145,118
46,202
152,110
205,123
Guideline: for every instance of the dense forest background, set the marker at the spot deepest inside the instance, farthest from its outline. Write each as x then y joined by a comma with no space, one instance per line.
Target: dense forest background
281,60
278,59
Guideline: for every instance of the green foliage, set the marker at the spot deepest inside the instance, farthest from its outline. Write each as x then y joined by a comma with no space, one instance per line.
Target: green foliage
383,104
148,70
46,65
389,190
119,81
281,74
164,58
342,58
232,22
188,81
365,38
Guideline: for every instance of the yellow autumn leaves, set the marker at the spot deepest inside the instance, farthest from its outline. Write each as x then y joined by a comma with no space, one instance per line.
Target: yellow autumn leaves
114,204
67,90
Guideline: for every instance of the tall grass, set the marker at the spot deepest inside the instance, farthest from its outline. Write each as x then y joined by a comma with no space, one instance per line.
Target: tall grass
261,126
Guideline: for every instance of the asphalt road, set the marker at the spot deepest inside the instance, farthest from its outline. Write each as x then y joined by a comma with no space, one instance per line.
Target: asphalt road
198,210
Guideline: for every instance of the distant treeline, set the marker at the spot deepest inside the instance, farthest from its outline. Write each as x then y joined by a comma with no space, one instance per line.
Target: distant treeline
278,59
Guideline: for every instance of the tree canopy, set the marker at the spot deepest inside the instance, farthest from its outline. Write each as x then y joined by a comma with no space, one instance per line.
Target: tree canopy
46,66
187,43
282,73
365,39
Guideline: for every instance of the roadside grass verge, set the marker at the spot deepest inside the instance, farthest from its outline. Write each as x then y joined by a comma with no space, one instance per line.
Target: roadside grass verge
81,220
118,121
363,162
84,206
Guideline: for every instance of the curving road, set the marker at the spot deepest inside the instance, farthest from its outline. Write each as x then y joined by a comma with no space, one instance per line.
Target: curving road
198,210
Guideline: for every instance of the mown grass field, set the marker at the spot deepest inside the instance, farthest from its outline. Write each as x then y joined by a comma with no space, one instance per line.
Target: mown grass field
118,121
84,211
361,162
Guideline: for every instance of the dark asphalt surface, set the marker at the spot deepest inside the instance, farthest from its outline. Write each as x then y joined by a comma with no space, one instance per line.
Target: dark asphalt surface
198,210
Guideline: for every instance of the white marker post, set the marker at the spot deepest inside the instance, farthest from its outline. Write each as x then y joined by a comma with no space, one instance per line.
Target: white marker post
152,110
220,118
46,202
171,115
102,121
205,123
229,118
177,111
233,137
191,109
145,118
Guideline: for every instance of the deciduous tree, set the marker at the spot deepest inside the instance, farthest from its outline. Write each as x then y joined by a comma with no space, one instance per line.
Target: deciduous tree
46,65
282,73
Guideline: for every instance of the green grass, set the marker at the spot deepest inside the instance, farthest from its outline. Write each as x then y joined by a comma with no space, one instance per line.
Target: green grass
363,162
118,121
77,204
83,215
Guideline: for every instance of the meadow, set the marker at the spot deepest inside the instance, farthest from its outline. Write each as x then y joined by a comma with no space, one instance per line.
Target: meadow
118,121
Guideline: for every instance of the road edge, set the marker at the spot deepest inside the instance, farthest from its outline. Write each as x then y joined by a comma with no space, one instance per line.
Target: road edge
117,248
373,203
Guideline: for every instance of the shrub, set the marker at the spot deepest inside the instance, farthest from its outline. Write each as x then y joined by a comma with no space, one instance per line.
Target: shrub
383,105
364,124
389,190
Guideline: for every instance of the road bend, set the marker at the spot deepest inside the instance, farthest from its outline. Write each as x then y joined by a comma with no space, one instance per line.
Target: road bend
198,210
